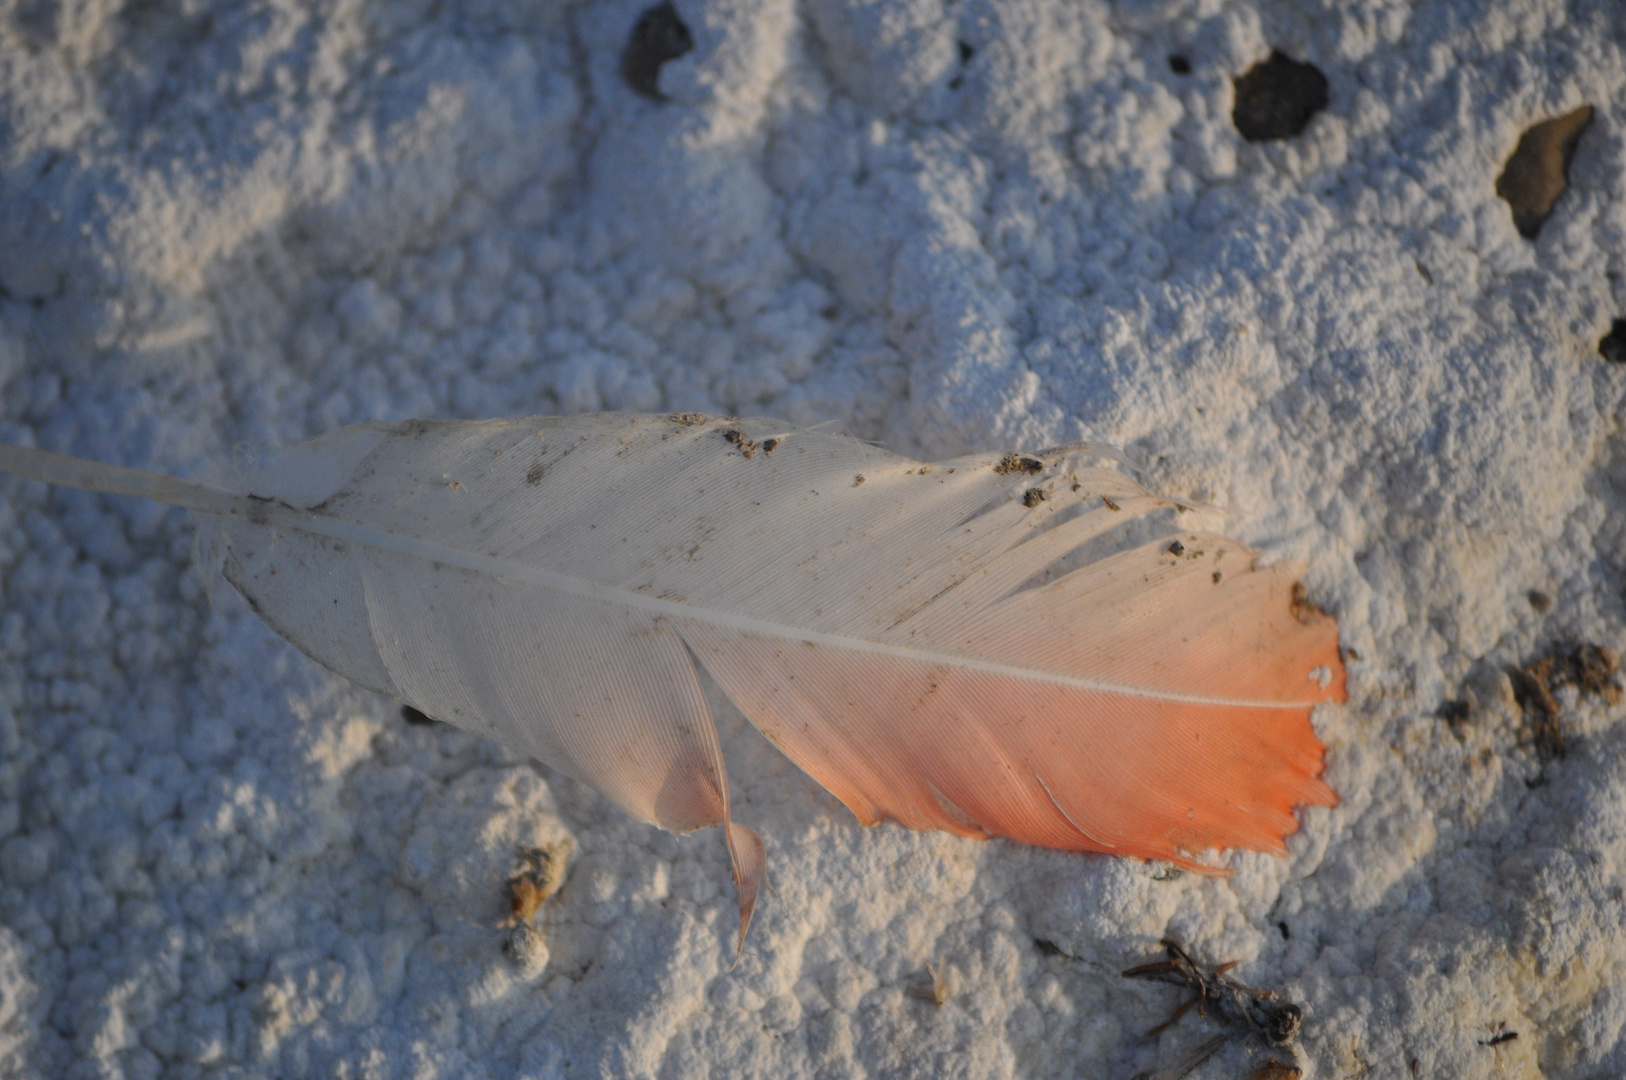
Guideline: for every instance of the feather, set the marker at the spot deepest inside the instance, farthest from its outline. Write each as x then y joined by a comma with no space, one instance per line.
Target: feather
971,645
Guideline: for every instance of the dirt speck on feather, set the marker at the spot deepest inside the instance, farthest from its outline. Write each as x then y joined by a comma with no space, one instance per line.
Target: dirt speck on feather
1018,463
746,447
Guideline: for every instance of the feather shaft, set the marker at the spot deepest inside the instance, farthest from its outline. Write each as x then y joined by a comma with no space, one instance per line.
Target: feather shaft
352,532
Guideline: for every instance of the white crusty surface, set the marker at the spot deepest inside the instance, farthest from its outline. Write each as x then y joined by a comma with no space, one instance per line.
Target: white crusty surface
976,225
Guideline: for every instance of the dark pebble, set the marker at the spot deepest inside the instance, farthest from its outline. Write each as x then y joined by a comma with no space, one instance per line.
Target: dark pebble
658,36
1613,346
1277,97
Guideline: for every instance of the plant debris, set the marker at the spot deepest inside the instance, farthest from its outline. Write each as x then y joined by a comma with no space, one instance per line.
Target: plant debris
1188,1062
1539,170
1253,1011
934,988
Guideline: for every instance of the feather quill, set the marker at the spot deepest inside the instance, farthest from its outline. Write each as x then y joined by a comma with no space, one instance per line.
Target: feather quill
950,646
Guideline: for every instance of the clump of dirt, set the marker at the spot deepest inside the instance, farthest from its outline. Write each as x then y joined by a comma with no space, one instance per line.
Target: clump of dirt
541,872
746,447
1590,668
1018,463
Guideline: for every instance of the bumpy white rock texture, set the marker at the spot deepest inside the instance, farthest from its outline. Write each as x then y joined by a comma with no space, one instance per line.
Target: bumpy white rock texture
951,224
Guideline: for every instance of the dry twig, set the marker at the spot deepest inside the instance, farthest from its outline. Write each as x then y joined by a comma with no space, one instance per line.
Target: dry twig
1259,1012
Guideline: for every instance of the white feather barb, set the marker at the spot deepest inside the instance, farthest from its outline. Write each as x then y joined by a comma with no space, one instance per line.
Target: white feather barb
956,645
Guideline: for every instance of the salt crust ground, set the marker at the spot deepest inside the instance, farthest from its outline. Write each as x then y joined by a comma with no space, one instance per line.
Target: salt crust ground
967,225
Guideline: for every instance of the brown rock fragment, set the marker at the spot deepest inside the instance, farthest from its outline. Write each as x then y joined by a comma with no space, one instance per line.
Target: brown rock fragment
1539,170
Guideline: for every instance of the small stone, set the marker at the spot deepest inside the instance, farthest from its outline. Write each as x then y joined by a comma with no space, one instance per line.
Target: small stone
659,35
1539,170
1276,98
1613,346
